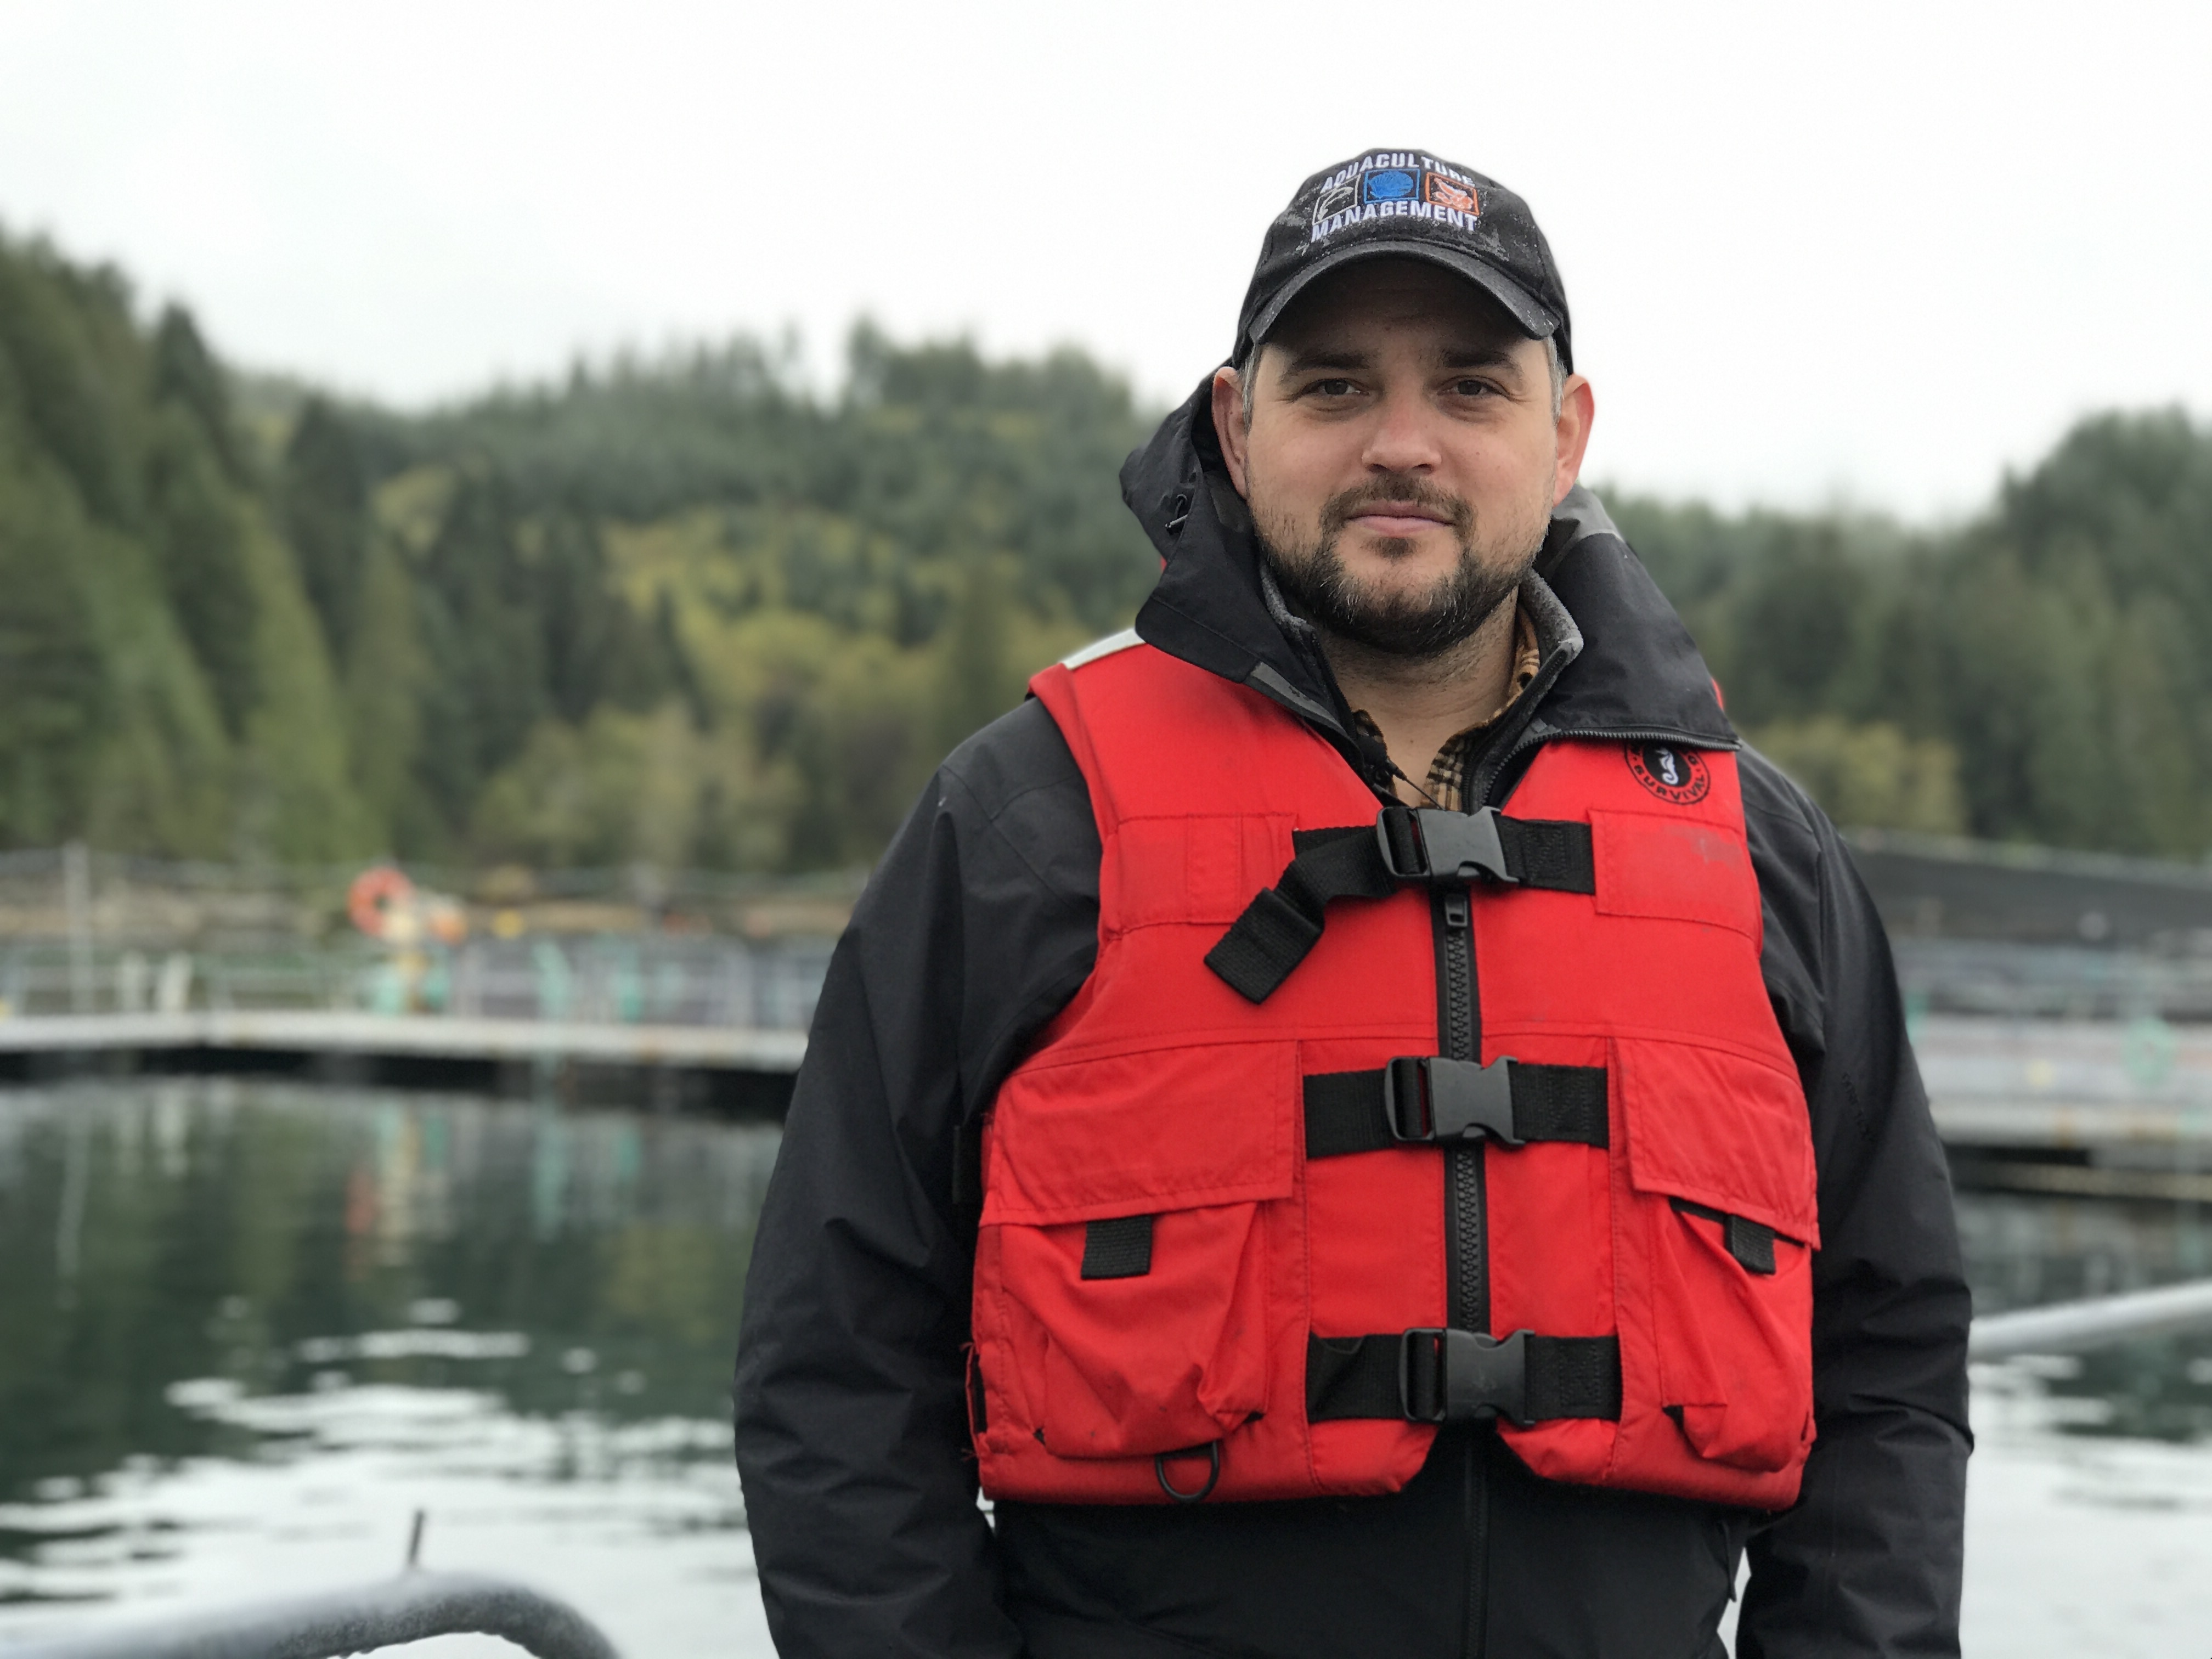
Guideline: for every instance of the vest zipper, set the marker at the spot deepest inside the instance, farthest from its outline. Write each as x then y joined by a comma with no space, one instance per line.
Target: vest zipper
1468,1264
1468,1279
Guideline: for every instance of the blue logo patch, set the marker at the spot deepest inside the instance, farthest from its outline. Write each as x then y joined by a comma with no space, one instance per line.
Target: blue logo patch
1389,184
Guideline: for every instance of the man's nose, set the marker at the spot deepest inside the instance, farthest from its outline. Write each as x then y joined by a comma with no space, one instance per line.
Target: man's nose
1403,438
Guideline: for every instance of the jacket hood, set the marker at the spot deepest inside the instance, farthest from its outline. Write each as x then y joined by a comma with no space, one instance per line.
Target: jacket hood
1637,674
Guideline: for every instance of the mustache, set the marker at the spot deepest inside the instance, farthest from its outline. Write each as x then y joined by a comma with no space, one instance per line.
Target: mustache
1343,508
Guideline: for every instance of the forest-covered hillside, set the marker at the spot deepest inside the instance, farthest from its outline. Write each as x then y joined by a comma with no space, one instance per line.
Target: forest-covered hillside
681,613
688,611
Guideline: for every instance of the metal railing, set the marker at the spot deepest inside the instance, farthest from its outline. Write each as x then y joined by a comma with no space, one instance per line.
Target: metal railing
2051,981
2098,1321
410,1608
75,895
87,933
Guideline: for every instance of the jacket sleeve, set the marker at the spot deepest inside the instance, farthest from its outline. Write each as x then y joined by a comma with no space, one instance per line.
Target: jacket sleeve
1868,1563
852,1438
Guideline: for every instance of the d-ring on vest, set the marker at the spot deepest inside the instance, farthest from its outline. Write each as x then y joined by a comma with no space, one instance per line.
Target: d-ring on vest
1213,1263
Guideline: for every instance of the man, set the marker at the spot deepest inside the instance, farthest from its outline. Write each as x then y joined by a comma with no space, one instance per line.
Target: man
1364,1115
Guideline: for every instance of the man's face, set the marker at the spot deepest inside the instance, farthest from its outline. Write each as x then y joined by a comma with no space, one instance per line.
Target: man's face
1402,458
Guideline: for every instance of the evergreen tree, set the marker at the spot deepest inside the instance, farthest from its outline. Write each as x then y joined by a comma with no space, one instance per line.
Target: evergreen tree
485,639
67,337
57,702
597,650
186,373
674,662
976,682
200,542
384,681
324,495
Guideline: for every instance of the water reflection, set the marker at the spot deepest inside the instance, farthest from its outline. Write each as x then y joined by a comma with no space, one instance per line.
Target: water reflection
228,1303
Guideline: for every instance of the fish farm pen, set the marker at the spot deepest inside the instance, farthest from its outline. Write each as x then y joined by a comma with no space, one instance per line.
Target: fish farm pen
2061,1003
690,988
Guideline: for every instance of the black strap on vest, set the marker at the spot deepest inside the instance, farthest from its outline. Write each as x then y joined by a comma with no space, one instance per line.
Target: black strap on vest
1415,1100
1437,1375
1283,923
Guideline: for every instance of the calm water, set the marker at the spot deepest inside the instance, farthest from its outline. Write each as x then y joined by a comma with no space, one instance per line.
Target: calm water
247,1328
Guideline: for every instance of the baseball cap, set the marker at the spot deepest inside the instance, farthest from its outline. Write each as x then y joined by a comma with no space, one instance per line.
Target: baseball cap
1408,202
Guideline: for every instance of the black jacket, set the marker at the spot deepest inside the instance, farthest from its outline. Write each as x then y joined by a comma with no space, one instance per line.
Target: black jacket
980,924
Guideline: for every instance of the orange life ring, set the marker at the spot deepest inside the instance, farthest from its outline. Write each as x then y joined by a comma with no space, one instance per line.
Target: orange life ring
376,893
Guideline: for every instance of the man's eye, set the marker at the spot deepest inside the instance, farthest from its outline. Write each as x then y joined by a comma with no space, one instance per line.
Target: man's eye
1474,388
1331,388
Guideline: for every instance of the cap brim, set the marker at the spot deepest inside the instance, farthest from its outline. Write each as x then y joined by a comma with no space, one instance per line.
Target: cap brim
1529,314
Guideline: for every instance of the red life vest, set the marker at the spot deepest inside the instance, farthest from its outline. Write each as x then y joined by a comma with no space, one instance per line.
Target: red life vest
1213,1252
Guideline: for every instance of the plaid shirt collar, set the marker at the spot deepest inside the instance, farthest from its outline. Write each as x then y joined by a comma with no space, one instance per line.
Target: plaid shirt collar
1447,782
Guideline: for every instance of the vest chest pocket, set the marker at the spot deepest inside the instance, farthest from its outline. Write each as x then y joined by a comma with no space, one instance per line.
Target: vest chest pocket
1721,1168
1123,1276
1202,868
1674,869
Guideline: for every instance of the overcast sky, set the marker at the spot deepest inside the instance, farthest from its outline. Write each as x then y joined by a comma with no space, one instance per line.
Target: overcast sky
1869,252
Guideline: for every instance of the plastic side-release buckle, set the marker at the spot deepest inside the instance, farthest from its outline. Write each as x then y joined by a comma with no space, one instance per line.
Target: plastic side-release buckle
1463,1377
1452,846
1430,1098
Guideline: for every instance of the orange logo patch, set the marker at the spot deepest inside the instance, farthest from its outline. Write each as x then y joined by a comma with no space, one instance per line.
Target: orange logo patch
1443,193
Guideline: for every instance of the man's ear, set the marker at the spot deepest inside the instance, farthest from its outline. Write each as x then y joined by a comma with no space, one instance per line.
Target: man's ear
1229,427
1570,437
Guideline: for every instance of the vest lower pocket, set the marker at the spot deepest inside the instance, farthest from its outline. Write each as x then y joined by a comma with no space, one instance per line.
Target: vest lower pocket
1734,1339
1122,1293
1720,1173
1133,1355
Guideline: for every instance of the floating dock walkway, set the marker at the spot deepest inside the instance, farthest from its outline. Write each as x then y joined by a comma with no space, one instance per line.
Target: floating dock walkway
733,1068
436,1036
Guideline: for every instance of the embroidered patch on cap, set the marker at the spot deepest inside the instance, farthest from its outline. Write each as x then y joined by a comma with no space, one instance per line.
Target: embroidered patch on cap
1332,201
1440,192
1387,185
1673,775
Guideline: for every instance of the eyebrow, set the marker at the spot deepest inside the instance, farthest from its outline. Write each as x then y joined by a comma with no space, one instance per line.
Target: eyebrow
1306,361
1486,356
1463,357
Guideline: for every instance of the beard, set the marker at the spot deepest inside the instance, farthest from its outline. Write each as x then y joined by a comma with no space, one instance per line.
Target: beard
1422,623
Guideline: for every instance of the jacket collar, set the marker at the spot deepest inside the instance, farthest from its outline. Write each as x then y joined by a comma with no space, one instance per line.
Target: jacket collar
1618,662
